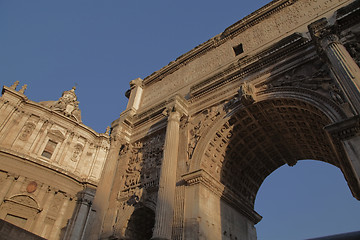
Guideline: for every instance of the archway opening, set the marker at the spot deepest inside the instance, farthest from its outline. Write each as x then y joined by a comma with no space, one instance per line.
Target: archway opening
308,200
141,224
255,141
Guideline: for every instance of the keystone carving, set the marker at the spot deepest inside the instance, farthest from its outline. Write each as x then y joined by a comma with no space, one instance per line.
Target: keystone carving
246,94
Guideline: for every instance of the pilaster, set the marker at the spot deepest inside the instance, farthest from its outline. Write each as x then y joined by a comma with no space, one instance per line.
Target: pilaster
6,187
39,225
55,231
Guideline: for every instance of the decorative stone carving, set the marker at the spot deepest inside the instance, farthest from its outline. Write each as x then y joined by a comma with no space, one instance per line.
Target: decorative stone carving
27,131
77,152
353,46
339,60
251,144
25,200
246,94
107,132
314,76
200,122
14,86
23,88
141,174
68,105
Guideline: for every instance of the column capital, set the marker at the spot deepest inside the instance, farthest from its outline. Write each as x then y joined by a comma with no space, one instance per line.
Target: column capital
177,107
173,114
320,29
323,33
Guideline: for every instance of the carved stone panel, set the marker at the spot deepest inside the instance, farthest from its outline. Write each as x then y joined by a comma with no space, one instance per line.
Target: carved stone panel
144,165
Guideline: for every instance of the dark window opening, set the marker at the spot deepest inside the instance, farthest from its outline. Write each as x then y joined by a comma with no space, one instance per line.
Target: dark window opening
238,49
49,149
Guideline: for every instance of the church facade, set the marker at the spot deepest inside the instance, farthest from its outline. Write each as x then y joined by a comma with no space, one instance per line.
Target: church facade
50,165
198,137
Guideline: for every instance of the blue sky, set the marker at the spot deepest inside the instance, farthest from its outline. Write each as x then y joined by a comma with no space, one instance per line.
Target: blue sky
102,45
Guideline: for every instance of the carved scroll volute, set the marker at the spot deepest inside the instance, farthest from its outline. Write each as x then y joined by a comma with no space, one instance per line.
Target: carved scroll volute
246,94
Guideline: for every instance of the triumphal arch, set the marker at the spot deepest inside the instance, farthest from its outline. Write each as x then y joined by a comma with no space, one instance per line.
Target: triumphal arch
200,135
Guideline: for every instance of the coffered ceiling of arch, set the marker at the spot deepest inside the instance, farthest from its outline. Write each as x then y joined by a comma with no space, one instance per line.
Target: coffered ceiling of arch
262,137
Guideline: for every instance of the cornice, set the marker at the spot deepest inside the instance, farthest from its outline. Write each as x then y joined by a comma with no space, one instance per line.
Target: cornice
229,33
348,16
149,115
26,105
50,167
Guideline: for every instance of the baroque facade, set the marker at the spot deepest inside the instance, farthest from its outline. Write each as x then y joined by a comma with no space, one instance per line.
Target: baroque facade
199,136
50,164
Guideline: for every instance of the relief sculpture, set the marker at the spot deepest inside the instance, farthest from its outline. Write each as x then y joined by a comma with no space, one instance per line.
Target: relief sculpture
27,131
312,76
141,173
200,122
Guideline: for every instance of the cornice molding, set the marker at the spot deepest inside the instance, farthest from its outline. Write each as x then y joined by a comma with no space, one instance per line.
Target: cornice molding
348,16
48,166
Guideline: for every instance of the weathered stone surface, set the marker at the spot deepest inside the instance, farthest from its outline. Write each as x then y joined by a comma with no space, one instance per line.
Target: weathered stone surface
198,137
244,114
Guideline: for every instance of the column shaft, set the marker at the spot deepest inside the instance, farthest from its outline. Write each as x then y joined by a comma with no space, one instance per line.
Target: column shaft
345,68
165,201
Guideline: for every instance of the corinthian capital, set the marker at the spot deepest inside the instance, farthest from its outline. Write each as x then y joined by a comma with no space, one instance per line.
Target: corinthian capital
322,33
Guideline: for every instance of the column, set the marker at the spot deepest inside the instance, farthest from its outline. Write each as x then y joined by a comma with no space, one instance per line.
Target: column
166,194
339,60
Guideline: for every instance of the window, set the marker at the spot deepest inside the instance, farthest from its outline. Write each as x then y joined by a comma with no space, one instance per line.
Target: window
238,49
49,149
